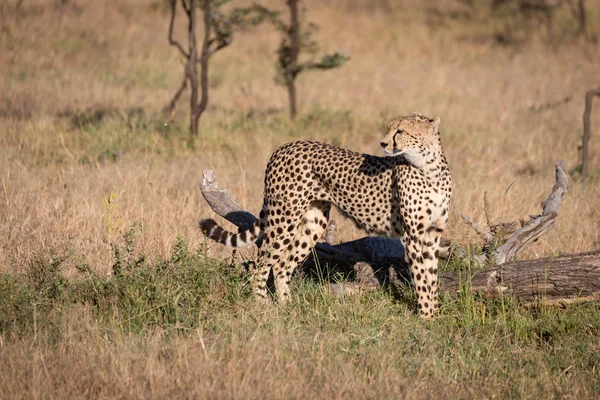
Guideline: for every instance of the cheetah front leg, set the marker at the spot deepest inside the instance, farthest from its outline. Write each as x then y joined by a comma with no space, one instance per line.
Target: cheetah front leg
421,253
430,251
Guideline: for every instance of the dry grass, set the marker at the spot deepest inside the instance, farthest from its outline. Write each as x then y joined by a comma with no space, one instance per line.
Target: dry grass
80,99
331,364
182,329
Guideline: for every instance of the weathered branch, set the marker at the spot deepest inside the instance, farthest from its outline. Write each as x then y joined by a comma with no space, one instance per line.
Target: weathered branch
586,129
222,203
537,226
530,231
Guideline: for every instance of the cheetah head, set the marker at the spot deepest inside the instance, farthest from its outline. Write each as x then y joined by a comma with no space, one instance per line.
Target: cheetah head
413,137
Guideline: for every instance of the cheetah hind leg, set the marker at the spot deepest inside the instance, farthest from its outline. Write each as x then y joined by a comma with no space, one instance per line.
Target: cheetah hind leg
270,255
259,274
310,229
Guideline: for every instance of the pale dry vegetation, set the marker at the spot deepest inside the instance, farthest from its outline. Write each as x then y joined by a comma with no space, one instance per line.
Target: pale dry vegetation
81,93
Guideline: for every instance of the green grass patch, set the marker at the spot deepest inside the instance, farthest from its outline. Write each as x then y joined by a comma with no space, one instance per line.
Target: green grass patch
137,295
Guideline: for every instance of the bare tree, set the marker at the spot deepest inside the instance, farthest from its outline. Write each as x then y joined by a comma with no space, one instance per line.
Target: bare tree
586,129
218,34
297,40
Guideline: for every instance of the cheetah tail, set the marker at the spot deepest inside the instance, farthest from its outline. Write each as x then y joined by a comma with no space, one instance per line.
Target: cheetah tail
248,237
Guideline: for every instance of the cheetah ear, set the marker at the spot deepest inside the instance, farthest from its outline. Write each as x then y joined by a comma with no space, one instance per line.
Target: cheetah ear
435,124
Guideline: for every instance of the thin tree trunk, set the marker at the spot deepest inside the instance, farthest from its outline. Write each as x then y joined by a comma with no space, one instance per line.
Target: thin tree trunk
294,52
199,108
581,17
586,130
292,98
170,109
191,67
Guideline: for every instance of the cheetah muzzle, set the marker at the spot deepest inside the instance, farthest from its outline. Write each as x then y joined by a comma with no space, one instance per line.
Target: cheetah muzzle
406,195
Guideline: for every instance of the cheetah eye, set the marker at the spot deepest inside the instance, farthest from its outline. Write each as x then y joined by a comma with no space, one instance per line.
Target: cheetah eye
399,132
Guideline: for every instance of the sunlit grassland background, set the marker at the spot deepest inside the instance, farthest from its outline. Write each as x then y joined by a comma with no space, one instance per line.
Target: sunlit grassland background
107,287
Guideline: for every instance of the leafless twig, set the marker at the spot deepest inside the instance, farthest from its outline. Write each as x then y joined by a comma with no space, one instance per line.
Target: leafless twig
486,236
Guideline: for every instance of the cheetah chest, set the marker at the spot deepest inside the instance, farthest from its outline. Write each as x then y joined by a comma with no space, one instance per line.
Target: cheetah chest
437,206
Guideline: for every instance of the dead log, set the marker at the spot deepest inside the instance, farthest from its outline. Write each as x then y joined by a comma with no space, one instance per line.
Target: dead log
379,261
553,281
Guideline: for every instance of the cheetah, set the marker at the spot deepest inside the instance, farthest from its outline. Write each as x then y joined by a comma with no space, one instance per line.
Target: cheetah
405,195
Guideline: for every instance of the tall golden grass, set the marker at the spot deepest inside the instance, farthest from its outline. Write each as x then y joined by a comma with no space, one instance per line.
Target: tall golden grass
501,127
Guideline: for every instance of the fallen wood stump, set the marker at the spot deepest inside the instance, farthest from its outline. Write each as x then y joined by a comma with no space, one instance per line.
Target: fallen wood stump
553,280
374,262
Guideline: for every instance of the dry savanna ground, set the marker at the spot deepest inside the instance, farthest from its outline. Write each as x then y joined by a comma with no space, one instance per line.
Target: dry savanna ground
107,288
